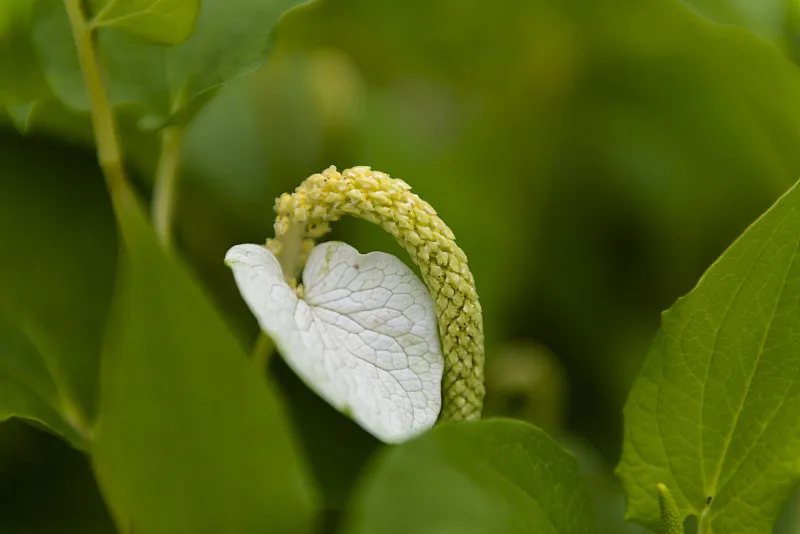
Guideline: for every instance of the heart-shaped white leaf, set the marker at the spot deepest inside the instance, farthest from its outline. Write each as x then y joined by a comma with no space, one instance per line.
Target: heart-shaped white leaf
364,337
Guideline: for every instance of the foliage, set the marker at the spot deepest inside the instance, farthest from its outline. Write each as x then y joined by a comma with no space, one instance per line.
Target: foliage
56,294
593,163
491,476
147,448
712,412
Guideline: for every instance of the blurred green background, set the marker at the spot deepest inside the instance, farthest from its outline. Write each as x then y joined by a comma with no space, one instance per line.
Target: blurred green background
593,159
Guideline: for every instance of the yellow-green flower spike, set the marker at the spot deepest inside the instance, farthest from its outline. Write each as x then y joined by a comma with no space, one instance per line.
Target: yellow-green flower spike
671,520
388,202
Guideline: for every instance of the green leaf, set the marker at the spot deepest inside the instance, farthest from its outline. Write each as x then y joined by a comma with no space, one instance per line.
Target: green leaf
336,447
21,77
57,259
159,21
34,404
605,491
190,437
230,38
55,47
20,115
766,18
713,413
478,477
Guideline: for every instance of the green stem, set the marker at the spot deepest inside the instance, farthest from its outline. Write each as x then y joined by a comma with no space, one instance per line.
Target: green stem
166,181
105,132
262,351
109,155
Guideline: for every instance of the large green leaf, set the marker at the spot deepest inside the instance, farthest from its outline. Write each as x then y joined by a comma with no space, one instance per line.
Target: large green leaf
160,21
766,17
336,446
479,477
230,38
57,258
190,437
36,404
21,78
713,413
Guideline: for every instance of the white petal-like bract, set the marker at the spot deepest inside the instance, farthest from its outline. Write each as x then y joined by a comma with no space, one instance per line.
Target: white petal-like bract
364,337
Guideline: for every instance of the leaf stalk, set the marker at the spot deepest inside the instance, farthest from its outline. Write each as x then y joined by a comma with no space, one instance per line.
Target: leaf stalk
109,155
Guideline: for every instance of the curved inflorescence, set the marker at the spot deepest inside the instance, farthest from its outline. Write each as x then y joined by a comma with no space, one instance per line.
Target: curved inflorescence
388,202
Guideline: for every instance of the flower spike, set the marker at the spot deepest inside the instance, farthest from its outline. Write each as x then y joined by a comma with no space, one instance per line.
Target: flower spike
388,202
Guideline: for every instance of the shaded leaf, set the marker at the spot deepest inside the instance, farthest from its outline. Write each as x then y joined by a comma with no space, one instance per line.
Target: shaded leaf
337,448
55,47
57,258
20,115
47,487
477,477
605,491
713,413
160,21
230,38
190,439
21,77
32,404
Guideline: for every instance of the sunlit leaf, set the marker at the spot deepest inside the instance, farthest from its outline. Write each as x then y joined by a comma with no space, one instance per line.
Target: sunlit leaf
21,77
713,413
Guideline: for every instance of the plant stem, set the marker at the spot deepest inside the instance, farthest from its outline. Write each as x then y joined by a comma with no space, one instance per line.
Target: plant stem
262,351
109,155
165,183
105,133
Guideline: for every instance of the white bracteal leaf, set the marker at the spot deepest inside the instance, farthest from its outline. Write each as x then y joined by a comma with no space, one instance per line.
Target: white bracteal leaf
364,337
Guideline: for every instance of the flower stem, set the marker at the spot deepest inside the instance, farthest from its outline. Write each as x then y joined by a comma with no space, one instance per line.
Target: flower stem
166,181
108,152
